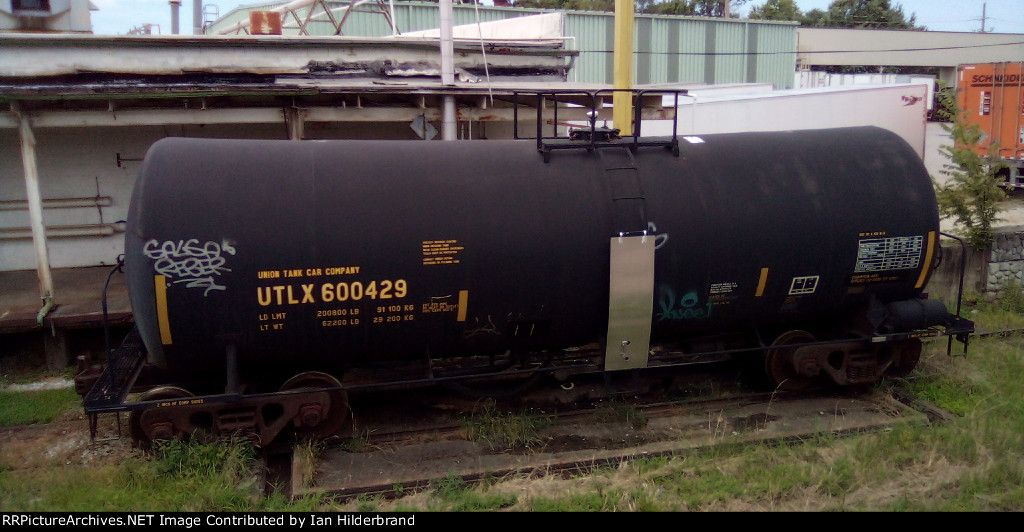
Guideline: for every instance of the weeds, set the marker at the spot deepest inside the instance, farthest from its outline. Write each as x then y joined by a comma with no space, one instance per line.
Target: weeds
230,459
1012,297
623,412
357,443
308,455
502,430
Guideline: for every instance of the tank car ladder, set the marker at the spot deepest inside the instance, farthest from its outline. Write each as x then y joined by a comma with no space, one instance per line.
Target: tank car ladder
631,262
623,178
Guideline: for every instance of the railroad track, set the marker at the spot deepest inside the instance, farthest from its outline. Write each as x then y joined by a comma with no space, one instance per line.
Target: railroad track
597,434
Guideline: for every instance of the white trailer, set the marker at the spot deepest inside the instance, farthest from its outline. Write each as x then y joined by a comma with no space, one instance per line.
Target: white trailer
902,109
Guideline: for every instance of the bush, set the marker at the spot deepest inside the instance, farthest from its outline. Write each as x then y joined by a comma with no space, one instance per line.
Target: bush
973,192
1012,297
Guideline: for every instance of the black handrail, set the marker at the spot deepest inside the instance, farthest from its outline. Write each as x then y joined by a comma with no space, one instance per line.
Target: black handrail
592,137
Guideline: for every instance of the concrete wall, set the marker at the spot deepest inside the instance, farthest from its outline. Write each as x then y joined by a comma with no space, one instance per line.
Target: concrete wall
945,279
1006,261
986,272
845,46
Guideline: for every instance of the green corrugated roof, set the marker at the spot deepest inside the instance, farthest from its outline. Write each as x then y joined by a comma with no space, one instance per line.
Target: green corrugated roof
668,49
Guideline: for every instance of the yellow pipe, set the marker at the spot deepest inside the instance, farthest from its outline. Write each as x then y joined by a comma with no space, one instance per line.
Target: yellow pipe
622,101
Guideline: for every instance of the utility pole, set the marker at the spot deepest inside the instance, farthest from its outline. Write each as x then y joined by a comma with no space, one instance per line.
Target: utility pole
984,19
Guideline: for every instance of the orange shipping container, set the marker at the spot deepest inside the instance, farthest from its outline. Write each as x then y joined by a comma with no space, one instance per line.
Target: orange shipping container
993,96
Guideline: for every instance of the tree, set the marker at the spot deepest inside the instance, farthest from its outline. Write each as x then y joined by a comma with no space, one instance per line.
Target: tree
879,14
571,5
700,8
865,14
776,10
971,195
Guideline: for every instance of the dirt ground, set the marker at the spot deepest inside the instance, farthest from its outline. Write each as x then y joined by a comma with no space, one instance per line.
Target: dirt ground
66,442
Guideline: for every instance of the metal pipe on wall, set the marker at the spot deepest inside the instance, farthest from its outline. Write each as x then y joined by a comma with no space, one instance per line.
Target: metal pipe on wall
35,208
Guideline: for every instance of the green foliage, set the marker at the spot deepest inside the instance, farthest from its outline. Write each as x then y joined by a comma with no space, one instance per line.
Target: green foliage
668,7
988,314
954,397
698,8
28,407
866,14
458,495
871,14
569,5
618,411
972,193
450,487
179,476
501,429
599,500
231,459
777,10
693,8
1012,297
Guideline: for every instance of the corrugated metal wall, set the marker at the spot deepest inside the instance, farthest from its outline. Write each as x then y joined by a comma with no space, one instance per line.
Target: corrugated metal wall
667,49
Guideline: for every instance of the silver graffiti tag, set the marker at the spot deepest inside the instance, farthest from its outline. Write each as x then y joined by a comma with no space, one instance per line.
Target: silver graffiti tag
188,261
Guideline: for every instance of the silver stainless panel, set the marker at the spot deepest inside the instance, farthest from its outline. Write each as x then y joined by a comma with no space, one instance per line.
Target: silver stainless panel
630,302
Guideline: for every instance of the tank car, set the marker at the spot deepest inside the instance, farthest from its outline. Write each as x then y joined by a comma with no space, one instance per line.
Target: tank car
269,278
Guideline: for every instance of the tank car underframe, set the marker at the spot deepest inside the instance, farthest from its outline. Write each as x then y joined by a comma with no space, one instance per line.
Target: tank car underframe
260,417
316,405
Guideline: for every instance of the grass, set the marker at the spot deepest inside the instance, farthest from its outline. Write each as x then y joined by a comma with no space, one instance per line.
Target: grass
179,477
973,462
41,406
994,316
498,429
616,410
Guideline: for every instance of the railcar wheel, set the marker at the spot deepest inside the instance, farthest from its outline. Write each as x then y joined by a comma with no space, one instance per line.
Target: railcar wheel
162,429
905,356
779,362
318,420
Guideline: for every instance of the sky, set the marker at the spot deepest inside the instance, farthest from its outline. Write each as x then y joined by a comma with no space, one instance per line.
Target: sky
119,17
